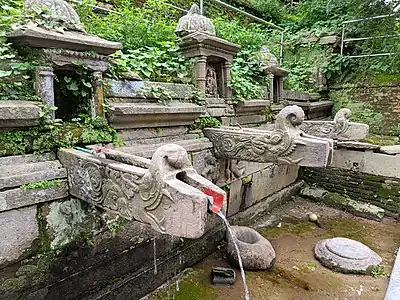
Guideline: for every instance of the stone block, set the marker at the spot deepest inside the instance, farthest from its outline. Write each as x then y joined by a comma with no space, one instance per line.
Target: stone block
15,198
19,230
25,159
251,119
391,150
252,107
216,111
151,133
269,181
329,40
367,162
235,198
295,95
15,113
37,37
131,89
131,115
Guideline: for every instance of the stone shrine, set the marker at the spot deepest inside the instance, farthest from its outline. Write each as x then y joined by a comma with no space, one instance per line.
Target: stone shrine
63,49
213,55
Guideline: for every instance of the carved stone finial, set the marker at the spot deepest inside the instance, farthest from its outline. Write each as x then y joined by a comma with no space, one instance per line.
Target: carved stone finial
266,59
60,10
194,22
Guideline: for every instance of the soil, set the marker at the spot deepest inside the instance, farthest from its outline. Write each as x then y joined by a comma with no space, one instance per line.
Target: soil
297,275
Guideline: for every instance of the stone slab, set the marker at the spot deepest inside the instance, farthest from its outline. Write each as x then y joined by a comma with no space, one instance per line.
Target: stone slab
25,159
133,115
37,37
150,133
252,107
235,198
250,119
346,256
16,198
16,113
393,290
131,89
367,162
19,230
391,150
330,39
161,140
269,181
357,145
295,95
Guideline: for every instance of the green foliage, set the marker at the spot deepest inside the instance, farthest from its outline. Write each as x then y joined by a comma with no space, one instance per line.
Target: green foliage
378,271
162,94
271,10
49,137
40,185
159,63
136,27
207,122
245,72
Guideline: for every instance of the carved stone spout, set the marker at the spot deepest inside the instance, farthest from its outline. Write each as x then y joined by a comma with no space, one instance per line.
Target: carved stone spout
338,129
285,143
165,192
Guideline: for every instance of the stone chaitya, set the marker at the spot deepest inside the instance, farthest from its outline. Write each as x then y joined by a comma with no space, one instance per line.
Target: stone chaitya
285,143
213,55
63,50
269,66
165,192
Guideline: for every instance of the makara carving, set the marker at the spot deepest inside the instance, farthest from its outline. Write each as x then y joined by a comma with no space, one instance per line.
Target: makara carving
339,129
60,10
285,143
194,22
169,194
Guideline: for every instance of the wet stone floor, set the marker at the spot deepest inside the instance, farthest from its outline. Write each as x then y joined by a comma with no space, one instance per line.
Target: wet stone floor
297,275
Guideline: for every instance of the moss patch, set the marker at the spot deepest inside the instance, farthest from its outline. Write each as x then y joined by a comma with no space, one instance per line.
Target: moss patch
194,286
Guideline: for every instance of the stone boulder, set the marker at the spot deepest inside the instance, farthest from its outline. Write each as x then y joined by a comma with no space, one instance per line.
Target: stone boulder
256,251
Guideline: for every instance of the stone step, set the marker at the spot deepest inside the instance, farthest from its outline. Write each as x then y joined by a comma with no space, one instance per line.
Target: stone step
24,159
16,198
192,145
26,168
16,113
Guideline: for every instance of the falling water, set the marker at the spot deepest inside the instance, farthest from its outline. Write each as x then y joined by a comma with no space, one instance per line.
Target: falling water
228,227
155,256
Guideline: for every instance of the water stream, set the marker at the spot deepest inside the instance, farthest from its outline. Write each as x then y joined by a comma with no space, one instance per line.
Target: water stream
155,256
228,227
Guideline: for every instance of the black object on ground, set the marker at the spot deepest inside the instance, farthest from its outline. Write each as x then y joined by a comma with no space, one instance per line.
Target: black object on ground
222,275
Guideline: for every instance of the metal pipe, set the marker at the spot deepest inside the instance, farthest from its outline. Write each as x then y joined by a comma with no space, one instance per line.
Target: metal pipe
95,6
281,50
372,55
176,7
372,37
247,14
201,7
370,18
342,41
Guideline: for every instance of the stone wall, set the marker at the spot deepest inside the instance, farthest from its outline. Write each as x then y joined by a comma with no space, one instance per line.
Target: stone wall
382,100
362,175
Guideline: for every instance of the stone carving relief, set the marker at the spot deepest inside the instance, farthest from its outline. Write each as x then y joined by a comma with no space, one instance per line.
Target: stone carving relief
194,22
268,147
211,81
61,10
153,196
279,145
340,128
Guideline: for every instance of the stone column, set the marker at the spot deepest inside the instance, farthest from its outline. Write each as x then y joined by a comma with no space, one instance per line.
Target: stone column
44,86
227,79
280,88
200,71
97,105
271,87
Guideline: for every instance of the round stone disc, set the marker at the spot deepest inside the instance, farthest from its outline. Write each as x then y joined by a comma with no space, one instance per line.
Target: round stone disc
346,255
347,248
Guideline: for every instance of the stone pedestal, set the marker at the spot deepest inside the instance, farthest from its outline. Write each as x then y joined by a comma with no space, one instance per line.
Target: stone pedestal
45,87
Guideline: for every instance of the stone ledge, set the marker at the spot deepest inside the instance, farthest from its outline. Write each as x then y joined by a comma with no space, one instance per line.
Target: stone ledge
147,151
41,38
131,89
16,113
252,107
131,115
26,159
16,198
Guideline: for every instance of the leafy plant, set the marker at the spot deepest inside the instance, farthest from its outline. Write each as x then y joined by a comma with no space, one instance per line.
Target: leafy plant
159,63
162,94
202,123
43,184
378,271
